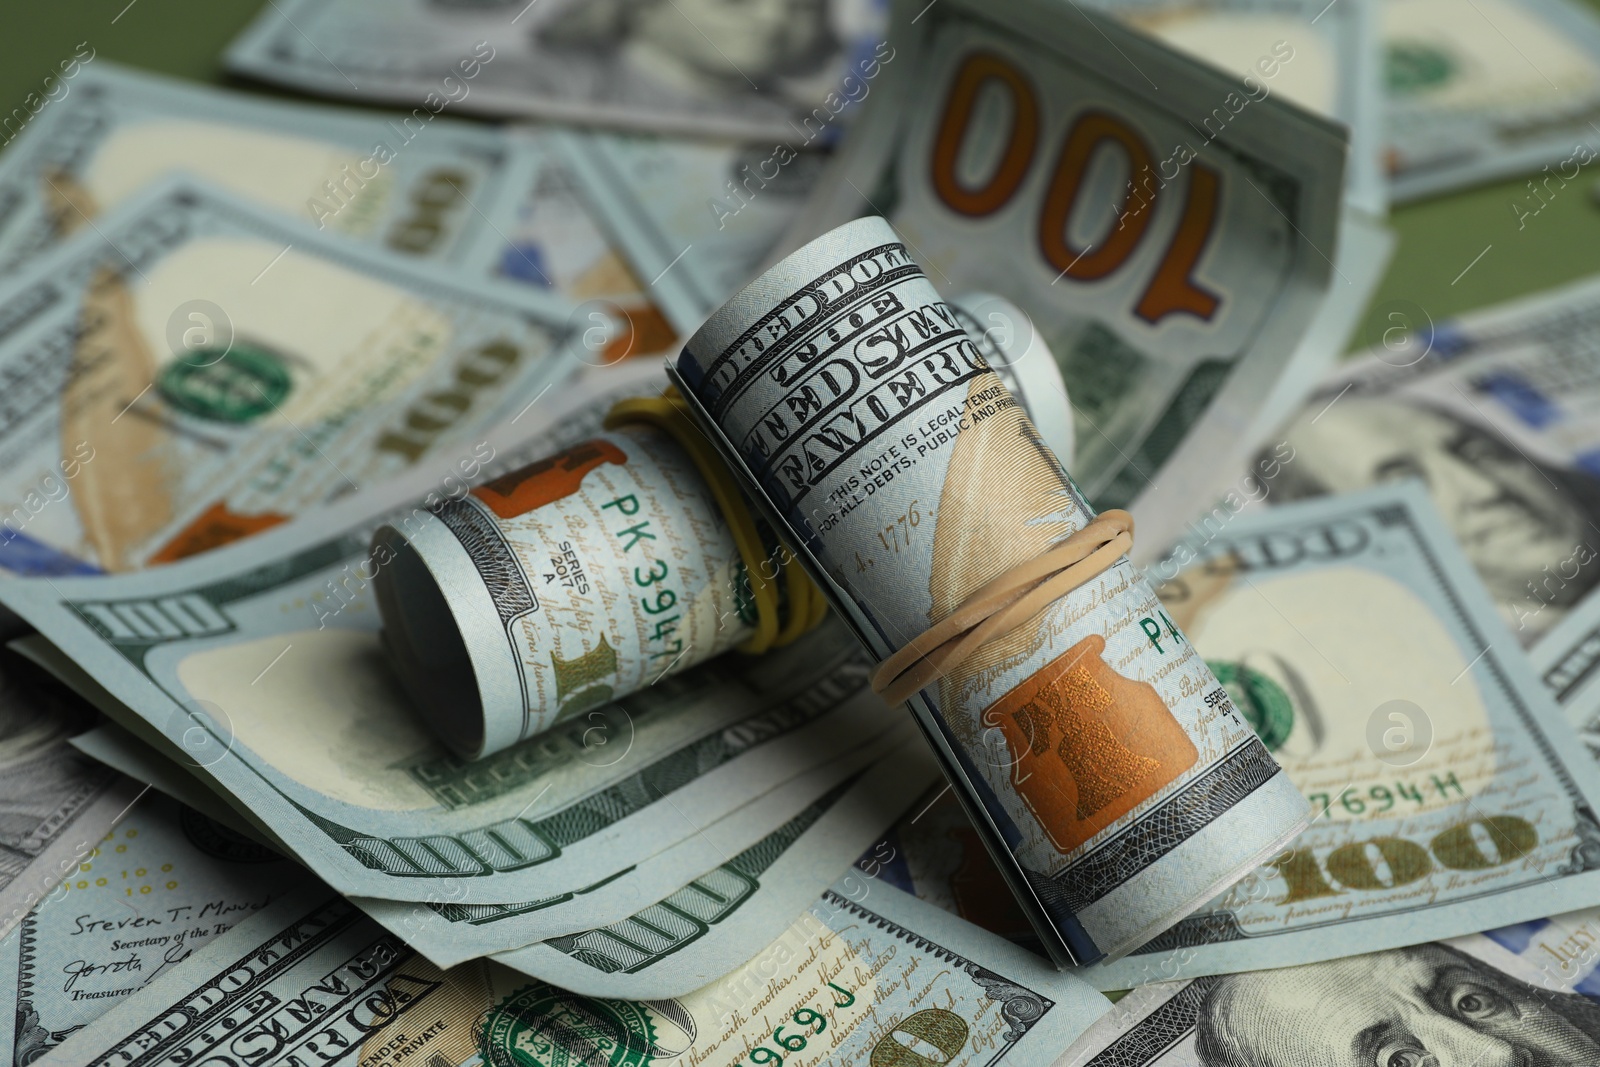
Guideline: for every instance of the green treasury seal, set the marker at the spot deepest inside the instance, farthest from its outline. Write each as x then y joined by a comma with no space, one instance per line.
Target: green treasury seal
237,385
542,1026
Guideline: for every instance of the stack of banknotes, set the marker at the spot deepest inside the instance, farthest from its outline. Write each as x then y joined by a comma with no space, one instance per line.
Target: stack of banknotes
380,686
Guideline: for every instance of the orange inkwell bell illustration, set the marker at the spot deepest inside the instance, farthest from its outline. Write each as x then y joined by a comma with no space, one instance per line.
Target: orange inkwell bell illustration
1087,744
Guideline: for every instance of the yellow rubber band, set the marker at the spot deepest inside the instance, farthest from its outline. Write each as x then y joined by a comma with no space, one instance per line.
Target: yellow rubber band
800,592
806,605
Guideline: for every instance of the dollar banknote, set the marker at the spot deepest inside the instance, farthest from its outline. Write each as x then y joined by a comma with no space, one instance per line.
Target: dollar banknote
1516,994
1323,58
117,748
581,578
54,803
1437,96
854,797
1171,232
194,369
1567,661
708,927
427,187
164,883
1450,793
1498,89
1519,383
867,974
695,67
568,412
858,413
272,670
660,949
448,934
714,922
1493,412
489,201
485,200
695,218
558,240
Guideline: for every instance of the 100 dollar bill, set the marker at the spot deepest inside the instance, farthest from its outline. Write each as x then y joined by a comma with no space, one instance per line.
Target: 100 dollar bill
866,973
448,933
706,916
196,368
1471,100
426,187
1325,59
1515,994
1175,296
697,932
689,68
166,881
489,201
1495,413
1450,793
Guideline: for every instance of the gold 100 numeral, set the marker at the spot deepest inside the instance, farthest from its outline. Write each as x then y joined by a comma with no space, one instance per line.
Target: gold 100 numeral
1355,865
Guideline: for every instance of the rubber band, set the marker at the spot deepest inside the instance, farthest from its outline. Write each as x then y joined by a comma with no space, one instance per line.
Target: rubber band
801,593
1004,603
806,606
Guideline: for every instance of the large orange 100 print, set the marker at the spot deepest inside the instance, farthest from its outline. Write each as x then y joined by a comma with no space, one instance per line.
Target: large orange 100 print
1172,288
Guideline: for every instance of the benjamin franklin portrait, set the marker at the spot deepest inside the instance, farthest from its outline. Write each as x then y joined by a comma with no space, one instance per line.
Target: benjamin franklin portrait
702,44
1427,1006
1520,521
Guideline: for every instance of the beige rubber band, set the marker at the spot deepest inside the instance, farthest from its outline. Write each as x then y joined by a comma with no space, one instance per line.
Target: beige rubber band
1004,603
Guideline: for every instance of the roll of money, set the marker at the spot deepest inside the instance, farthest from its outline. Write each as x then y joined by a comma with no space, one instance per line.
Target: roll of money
1110,774
569,583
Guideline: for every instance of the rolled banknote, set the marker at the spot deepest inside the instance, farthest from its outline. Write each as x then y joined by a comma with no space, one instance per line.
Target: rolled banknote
573,581
1111,775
